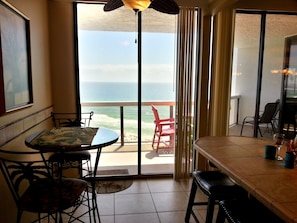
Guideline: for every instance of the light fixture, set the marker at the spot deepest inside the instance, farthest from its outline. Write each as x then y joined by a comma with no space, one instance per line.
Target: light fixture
164,6
286,71
137,5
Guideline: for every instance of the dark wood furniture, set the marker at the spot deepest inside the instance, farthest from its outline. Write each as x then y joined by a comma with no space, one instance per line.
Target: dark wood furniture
242,159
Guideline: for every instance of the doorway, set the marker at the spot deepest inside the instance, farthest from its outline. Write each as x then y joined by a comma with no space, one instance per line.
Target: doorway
126,63
257,76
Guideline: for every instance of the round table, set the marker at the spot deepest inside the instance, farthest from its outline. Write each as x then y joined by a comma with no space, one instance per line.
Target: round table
68,139
101,137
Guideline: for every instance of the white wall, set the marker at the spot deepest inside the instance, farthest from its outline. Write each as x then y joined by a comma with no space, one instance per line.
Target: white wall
246,61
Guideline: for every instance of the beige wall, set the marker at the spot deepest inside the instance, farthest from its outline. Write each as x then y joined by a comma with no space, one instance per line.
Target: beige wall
52,52
23,121
62,56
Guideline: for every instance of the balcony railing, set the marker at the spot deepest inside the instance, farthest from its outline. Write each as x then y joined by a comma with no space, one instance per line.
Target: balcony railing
121,106
234,111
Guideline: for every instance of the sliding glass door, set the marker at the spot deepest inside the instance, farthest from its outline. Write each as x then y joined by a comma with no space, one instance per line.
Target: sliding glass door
158,87
258,66
126,64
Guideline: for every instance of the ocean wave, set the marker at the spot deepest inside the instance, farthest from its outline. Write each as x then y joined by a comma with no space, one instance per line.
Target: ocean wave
130,127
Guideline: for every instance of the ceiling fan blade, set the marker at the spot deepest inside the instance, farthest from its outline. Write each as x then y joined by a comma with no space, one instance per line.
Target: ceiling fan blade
112,5
165,6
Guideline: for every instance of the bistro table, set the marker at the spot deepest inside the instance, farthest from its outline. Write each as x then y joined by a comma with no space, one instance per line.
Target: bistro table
242,158
70,139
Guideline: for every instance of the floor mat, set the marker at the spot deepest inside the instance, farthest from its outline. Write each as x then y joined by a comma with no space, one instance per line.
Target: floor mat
107,186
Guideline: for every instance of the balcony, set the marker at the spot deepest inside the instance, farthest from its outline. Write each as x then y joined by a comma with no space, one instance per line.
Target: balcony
123,120
124,153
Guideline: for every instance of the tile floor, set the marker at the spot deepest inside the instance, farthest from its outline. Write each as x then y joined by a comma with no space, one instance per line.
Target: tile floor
149,201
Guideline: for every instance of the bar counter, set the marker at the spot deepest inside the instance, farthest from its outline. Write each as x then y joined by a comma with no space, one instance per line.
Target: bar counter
242,159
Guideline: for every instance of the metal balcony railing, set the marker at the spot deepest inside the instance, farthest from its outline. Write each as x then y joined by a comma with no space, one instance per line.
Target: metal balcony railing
234,110
121,105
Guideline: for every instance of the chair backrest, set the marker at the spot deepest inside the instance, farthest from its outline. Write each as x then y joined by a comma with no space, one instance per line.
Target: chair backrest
269,113
71,119
20,174
277,108
157,117
156,113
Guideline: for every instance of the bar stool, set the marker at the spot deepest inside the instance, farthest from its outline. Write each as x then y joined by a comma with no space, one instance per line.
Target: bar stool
245,211
217,186
79,160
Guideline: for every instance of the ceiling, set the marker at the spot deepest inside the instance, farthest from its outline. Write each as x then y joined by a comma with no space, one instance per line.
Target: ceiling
248,27
211,5
92,17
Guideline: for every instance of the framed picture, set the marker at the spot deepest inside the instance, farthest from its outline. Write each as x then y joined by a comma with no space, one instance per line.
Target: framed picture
15,60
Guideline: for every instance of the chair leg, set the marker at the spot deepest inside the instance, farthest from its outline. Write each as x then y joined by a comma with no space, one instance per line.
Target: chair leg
94,202
20,212
158,144
153,141
80,168
220,216
260,131
241,129
273,127
210,209
191,201
154,137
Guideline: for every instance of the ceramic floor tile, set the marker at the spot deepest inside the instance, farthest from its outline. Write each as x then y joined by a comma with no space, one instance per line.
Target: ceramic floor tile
134,203
176,217
202,214
137,218
186,184
138,187
103,219
106,204
107,219
168,217
171,201
149,201
164,185
200,196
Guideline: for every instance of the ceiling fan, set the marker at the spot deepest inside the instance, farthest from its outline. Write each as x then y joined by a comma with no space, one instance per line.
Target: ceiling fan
164,6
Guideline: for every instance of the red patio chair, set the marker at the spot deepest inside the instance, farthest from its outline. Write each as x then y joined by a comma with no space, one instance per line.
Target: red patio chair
164,131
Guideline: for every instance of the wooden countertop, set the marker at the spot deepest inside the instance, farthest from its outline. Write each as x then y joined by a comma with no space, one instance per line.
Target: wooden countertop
242,158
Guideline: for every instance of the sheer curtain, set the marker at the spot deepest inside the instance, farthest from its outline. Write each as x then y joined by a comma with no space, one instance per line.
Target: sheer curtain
186,51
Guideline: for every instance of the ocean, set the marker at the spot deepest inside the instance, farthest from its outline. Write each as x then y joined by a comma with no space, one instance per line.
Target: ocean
109,117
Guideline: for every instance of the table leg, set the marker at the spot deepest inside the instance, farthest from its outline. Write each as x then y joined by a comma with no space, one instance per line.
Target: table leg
92,178
99,149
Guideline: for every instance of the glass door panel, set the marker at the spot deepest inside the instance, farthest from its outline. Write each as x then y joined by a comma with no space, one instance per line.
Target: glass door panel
158,88
108,79
110,55
274,73
277,29
245,69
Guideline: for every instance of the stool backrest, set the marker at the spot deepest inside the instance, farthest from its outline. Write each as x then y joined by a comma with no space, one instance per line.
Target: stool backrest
21,174
71,119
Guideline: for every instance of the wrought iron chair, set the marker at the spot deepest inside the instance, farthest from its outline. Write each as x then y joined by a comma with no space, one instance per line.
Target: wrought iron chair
35,190
267,117
164,128
71,119
77,159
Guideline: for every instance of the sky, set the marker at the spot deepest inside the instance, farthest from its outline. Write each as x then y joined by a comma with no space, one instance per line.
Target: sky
112,56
